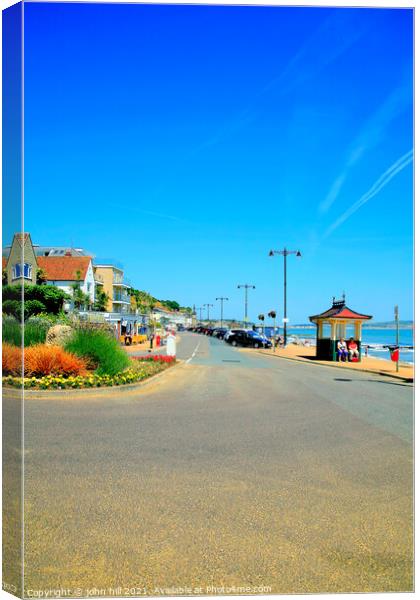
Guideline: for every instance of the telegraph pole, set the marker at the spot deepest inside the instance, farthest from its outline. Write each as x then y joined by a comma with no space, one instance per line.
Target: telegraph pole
208,311
285,253
247,287
221,309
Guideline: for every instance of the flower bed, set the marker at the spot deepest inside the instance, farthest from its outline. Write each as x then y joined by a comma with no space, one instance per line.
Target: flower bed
163,358
131,375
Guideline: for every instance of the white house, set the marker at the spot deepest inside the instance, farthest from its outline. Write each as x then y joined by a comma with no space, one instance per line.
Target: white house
65,271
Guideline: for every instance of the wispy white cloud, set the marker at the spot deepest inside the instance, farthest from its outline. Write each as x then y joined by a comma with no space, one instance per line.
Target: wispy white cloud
372,133
133,208
329,41
379,184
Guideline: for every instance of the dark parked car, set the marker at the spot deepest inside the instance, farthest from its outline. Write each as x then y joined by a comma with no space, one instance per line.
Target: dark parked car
231,332
248,338
219,332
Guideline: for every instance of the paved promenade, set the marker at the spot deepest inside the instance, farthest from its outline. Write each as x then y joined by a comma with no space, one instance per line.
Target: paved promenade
234,469
368,364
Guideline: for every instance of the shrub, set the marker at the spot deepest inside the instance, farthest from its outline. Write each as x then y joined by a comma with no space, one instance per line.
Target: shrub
101,351
11,360
46,320
52,360
51,297
12,331
13,308
12,292
33,307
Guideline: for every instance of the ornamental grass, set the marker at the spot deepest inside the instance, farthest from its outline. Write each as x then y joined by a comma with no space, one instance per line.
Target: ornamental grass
41,360
52,360
11,360
101,351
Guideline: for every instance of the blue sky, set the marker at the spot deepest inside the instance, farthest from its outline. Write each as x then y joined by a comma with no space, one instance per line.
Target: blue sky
186,141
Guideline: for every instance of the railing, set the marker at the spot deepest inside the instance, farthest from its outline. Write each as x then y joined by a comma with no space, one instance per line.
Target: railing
121,298
118,280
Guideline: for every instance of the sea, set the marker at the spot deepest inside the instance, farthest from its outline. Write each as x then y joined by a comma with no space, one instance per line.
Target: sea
374,341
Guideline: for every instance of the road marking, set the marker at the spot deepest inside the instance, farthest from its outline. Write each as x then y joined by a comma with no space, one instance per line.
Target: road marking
193,354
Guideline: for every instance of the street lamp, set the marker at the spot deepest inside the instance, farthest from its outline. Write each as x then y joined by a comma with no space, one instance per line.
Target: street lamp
201,308
208,311
221,310
285,253
247,287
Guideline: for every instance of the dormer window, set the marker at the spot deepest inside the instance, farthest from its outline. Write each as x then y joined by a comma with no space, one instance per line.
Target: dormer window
27,271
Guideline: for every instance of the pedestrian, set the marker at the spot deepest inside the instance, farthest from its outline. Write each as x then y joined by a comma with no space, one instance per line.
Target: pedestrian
353,349
342,350
151,338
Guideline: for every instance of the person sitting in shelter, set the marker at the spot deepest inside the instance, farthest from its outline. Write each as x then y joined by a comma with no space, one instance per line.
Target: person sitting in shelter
342,350
353,349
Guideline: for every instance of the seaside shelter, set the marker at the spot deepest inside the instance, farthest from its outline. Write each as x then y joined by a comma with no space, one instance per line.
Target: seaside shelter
337,322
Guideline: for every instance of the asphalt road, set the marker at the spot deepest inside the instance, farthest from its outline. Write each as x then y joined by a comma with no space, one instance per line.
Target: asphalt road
234,470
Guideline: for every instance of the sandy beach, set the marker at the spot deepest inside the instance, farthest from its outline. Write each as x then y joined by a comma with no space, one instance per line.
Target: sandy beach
377,365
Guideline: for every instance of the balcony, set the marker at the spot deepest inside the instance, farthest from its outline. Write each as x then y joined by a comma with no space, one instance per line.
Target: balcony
121,298
119,281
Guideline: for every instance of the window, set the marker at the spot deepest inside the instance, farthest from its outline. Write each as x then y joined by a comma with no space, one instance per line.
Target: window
27,271
17,270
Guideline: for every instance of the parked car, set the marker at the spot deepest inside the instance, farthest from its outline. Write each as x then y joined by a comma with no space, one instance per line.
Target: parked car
231,332
248,338
219,332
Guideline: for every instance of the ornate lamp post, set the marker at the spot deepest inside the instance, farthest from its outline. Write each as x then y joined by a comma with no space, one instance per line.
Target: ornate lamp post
285,253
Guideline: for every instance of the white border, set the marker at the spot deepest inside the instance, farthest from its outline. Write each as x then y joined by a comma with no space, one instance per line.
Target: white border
322,3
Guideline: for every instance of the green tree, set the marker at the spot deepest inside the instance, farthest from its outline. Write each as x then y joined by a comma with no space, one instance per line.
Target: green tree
41,277
80,299
101,301
172,304
145,302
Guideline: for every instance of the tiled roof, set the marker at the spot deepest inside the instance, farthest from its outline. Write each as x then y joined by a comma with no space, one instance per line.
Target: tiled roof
64,268
4,262
339,310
